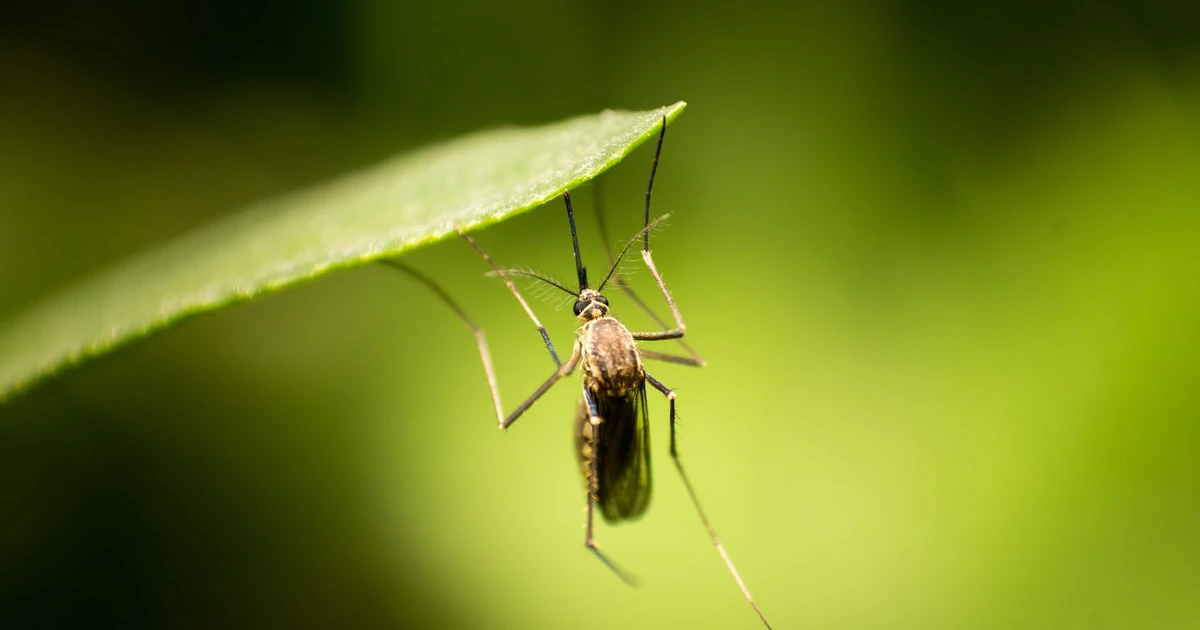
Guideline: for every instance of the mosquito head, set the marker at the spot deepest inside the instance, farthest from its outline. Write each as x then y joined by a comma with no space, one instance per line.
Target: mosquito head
591,305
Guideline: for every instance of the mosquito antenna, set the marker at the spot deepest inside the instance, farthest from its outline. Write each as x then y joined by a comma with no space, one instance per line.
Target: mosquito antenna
650,188
575,242
617,263
530,274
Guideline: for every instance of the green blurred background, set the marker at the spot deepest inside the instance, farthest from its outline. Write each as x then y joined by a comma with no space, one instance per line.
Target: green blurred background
941,258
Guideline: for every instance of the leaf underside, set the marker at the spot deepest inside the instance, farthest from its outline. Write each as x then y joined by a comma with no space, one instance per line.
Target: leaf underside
382,211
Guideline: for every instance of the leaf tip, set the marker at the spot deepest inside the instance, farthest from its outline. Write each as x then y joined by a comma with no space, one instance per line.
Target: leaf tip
673,111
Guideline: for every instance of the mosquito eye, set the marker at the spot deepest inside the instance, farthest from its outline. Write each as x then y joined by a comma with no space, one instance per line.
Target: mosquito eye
601,299
579,306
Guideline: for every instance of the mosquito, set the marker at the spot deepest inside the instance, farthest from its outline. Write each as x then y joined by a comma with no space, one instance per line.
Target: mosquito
612,432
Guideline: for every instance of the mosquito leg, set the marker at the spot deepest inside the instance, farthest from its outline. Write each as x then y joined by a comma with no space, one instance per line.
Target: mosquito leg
696,502
484,353
563,370
593,412
662,132
671,358
619,281
592,431
480,336
511,287
680,327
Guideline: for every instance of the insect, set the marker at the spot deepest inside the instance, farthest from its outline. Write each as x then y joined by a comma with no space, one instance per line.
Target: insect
612,432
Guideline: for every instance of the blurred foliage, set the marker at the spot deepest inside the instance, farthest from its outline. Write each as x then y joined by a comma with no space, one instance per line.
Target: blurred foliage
940,257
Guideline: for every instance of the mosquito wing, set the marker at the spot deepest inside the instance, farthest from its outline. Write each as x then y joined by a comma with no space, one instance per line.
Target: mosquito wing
621,444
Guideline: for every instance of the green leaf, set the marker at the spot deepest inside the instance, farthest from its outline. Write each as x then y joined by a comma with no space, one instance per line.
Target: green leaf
406,202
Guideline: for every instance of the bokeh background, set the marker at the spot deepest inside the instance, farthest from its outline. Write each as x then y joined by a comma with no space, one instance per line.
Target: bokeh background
941,258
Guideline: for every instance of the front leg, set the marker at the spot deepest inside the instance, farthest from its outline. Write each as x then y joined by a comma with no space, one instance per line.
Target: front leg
680,328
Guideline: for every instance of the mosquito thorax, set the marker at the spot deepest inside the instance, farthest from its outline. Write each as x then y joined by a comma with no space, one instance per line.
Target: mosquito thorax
591,305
